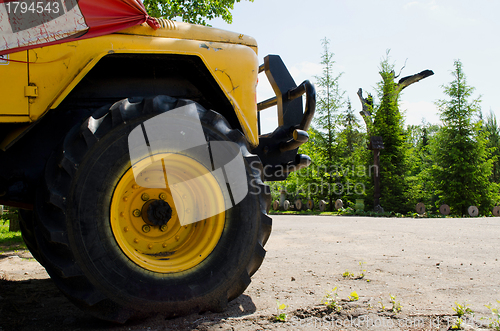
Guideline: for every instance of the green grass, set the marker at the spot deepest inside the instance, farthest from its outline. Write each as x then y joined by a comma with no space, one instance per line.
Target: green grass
342,212
10,241
351,212
295,212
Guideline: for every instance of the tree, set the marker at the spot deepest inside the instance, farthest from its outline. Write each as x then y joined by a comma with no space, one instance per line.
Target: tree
335,145
350,130
462,167
493,144
330,100
308,182
192,11
388,124
420,188
352,154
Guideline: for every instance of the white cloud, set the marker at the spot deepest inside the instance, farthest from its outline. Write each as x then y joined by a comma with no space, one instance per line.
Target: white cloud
268,117
426,5
268,120
411,4
305,70
415,112
264,88
447,14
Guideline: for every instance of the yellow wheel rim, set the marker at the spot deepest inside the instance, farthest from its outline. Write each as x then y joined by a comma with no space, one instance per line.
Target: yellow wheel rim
170,247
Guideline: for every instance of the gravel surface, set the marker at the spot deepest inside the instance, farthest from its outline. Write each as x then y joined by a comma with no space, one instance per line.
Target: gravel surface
427,264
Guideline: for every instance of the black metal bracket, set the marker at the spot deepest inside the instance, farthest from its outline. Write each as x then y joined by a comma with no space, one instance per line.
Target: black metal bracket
278,150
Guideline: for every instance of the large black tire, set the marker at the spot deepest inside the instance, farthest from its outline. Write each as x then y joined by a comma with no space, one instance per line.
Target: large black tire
75,239
26,223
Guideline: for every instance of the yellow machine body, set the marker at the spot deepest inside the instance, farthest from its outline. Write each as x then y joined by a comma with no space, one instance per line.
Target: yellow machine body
37,80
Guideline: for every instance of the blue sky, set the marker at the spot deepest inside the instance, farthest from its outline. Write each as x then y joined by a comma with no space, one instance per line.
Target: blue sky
427,34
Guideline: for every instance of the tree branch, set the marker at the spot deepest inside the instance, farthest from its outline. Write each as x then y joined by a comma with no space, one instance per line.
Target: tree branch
408,80
366,104
401,70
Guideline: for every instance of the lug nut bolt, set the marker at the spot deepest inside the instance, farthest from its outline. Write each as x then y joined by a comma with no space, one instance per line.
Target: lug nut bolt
146,228
150,246
163,196
135,186
136,213
145,197
163,228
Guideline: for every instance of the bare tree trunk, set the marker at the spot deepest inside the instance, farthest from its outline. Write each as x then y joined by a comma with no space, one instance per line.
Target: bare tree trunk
367,106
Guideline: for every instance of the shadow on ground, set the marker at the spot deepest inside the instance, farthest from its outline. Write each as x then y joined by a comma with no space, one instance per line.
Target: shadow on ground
37,304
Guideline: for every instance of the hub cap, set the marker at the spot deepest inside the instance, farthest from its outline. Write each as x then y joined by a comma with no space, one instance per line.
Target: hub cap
156,212
145,221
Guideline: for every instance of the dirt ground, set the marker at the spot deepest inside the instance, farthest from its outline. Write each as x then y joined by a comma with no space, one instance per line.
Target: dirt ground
427,264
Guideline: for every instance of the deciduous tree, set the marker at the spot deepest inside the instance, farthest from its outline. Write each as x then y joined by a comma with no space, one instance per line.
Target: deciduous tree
192,11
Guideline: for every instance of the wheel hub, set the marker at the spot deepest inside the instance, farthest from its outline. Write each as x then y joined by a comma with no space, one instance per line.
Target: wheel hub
145,221
156,212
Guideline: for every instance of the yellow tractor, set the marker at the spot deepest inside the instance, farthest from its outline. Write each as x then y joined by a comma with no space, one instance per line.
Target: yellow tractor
113,244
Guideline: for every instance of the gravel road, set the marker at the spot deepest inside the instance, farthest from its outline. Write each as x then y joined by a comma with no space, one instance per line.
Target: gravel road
427,264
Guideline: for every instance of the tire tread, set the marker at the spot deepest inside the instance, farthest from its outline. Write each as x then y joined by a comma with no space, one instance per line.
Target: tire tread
52,237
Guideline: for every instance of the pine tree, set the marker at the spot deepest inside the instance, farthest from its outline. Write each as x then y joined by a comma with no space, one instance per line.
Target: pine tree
493,144
461,169
329,101
350,130
420,188
352,150
388,123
